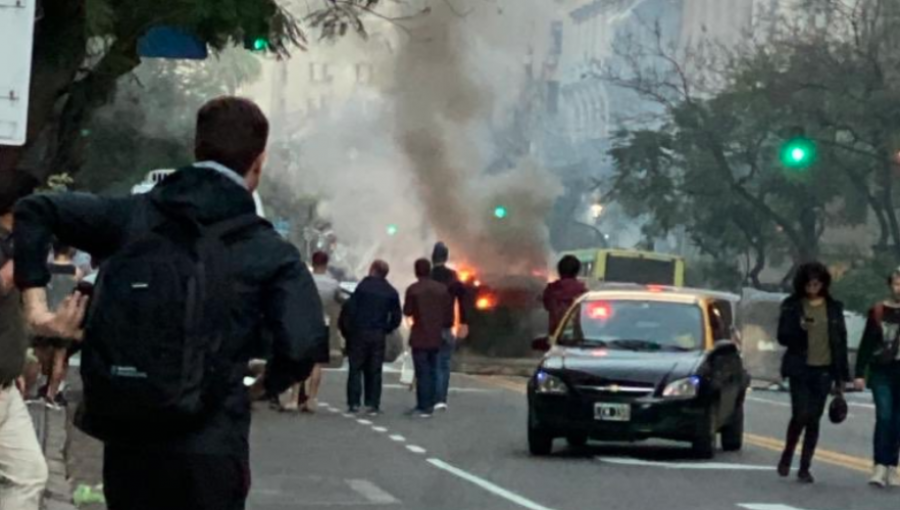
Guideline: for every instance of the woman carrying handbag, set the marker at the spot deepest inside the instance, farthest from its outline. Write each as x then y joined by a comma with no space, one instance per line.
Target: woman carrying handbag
811,326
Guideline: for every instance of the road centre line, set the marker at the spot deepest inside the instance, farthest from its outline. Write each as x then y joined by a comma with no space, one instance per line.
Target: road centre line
845,461
380,430
416,449
488,486
718,466
398,438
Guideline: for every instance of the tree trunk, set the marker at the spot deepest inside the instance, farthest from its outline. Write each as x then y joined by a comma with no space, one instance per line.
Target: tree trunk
59,52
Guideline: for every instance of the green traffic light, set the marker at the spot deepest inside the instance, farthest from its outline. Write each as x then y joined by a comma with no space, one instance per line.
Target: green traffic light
500,212
260,44
392,230
798,153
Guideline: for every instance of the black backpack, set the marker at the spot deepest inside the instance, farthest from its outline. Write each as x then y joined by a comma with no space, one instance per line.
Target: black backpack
153,363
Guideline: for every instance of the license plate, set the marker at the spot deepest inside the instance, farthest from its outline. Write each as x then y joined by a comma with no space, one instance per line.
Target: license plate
612,412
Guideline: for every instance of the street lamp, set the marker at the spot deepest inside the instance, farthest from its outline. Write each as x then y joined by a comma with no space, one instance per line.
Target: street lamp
596,210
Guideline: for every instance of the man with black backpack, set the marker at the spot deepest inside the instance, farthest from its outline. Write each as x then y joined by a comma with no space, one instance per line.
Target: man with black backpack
190,278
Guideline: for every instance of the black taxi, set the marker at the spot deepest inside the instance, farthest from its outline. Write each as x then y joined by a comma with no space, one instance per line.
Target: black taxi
631,362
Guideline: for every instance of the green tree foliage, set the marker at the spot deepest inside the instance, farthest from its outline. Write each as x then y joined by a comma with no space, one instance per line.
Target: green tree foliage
83,47
710,161
150,123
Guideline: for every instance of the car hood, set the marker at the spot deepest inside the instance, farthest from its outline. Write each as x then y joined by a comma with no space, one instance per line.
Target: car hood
608,366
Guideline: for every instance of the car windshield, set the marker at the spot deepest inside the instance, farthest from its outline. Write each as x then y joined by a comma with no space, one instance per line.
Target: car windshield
635,325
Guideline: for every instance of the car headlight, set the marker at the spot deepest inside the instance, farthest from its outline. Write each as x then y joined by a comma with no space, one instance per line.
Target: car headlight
682,388
547,384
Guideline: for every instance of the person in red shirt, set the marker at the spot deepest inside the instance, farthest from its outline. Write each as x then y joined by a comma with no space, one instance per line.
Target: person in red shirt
559,295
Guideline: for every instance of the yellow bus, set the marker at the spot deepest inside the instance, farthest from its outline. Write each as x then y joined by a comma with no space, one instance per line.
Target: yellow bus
630,266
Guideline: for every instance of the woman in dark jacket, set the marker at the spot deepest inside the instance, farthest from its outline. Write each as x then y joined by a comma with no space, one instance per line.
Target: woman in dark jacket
811,326
878,366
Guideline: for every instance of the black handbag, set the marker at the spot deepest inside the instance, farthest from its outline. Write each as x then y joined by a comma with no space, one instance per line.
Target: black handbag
838,410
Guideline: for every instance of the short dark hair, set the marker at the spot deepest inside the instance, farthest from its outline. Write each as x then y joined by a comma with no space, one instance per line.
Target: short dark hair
320,259
423,268
14,185
231,131
568,267
61,249
380,269
808,272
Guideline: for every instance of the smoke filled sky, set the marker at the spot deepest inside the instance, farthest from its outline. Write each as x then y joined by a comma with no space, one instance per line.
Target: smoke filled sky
416,155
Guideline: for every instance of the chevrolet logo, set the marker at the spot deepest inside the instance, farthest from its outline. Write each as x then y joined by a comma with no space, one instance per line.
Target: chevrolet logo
614,388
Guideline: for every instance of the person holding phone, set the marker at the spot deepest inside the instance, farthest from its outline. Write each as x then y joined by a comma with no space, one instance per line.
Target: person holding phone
811,326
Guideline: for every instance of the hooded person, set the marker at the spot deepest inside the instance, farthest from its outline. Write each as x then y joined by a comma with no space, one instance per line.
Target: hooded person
450,279
559,295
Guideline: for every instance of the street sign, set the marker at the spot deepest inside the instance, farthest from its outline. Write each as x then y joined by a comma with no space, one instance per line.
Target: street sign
16,41
171,42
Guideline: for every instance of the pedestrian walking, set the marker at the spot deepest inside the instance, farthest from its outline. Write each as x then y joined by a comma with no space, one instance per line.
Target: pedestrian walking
53,352
329,291
811,326
22,465
440,273
878,367
561,294
190,278
430,307
371,313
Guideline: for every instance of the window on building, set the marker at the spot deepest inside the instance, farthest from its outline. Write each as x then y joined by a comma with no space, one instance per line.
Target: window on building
319,73
364,73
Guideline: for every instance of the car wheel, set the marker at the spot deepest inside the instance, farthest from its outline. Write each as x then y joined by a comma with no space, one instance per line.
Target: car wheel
704,444
577,441
733,433
540,442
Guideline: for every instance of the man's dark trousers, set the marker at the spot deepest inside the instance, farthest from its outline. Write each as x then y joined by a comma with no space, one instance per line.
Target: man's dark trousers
366,359
425,362
160,480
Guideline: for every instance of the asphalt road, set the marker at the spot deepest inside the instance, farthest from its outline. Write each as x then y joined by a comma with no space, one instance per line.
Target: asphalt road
475,457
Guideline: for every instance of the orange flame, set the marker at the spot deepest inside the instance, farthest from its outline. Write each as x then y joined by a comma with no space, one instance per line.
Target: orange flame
486,302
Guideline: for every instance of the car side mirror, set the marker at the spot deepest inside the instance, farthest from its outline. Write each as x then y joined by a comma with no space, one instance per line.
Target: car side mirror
541,344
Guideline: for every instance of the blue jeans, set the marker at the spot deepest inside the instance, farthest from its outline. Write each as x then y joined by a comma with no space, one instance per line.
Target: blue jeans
425,363
445,356
885,384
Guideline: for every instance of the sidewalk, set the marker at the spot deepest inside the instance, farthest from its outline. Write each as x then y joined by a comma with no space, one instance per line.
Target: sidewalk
50,426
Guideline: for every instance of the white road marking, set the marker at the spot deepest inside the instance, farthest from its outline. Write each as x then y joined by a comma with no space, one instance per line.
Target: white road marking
767,506
324,404
380,430
416,449
488,486
364,422
719,466
371,492
333,410
398,438
452,390
348,415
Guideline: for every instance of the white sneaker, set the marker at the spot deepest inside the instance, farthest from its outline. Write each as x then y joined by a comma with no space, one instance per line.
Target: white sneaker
879,477
440,407
893,477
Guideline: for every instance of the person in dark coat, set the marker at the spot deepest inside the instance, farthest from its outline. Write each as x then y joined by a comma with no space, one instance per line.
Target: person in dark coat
878,367
457,290
559,295
367,318
430,306
811,326
207,468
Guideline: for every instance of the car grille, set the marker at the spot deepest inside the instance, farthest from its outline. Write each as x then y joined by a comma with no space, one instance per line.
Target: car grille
623,390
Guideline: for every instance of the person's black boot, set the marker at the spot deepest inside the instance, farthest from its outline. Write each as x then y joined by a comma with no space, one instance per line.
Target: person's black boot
790,446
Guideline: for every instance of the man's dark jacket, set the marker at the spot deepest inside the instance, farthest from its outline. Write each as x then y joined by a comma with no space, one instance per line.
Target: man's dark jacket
431,307
374,308
274,289
448,277
792,335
